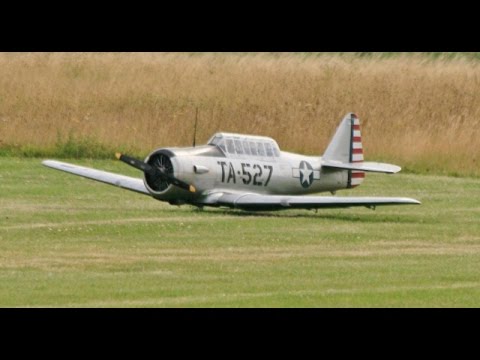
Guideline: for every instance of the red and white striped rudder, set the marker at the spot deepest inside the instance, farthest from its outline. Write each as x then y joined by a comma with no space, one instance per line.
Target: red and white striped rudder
346,148
355,177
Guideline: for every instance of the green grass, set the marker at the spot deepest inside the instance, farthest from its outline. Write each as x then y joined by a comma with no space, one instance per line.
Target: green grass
71,147
68,241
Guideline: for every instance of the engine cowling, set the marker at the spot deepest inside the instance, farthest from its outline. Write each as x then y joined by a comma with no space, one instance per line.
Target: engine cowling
160,159
178,165
160,188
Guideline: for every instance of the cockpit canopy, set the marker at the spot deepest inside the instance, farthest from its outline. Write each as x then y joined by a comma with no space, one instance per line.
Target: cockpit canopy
237,145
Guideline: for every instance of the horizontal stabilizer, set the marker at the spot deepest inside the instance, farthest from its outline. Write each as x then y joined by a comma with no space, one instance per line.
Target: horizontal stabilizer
363,166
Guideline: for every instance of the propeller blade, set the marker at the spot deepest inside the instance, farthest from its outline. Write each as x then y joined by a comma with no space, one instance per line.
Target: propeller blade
138,164
151,170
181,184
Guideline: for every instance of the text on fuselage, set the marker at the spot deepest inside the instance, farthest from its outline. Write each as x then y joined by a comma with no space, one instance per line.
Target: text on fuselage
254,174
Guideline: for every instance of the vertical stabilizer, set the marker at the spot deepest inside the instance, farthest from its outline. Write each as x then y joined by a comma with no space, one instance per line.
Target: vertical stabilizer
346,147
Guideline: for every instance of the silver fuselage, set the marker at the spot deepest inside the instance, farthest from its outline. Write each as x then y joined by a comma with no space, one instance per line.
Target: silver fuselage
207,168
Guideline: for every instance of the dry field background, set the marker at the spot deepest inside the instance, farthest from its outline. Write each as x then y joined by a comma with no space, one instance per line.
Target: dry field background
417,111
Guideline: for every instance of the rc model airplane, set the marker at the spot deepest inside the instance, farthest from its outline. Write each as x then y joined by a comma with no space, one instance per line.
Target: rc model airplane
251,173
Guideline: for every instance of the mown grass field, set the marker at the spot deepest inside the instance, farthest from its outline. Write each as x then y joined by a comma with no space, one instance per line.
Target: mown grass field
68,241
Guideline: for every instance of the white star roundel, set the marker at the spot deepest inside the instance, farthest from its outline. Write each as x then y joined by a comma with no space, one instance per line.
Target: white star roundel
306,174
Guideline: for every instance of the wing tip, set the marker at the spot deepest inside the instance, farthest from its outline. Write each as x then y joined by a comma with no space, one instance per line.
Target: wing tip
49,163
409,201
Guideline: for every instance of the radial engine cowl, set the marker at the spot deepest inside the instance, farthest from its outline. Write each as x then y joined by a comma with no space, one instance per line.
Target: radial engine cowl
161,160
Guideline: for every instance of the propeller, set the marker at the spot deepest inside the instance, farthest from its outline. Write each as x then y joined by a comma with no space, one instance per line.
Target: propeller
154,171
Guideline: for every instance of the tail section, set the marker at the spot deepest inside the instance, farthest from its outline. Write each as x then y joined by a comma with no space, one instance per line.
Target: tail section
345,152
346,148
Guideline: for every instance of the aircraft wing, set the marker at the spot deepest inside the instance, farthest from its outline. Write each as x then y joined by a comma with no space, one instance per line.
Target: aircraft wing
251,201
125,182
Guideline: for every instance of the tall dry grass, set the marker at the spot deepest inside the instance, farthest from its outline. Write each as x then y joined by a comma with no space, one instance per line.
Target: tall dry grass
420,113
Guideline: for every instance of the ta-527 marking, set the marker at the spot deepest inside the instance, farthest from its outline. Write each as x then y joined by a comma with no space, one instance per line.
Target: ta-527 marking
251,173
247,175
